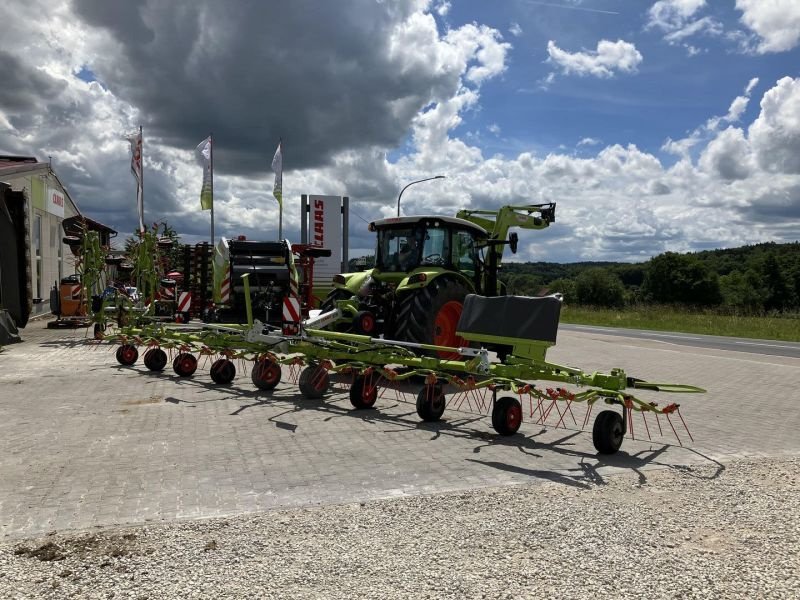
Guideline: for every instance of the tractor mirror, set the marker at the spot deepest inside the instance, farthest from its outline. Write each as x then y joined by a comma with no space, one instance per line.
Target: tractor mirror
513,240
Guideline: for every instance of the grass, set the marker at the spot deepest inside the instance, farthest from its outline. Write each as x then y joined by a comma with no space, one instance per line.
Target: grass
660,318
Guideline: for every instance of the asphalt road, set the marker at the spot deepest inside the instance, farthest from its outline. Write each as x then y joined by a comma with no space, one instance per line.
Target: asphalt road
715,342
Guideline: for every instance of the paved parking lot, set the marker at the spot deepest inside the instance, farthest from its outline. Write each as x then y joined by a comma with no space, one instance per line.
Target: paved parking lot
85,442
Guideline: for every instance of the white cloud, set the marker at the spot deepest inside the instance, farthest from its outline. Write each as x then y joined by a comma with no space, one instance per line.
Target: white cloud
515,29
677,20
494,128
589,141
609,58
443,7
776,22
775,134
727,156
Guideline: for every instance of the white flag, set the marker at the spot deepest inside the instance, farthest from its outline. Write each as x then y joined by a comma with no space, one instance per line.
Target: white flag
207,191
135,140
277,166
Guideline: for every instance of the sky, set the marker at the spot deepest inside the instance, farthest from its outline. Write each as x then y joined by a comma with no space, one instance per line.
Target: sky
670,125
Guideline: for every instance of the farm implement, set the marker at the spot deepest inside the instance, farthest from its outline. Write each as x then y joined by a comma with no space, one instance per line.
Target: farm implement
504,389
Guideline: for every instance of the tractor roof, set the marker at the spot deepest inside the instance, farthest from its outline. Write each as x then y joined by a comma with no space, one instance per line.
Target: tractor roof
413,220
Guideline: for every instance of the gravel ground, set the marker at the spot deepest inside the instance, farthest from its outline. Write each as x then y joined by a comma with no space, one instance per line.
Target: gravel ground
689,532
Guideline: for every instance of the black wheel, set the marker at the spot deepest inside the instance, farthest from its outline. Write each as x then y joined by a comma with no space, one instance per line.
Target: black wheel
431,402
222,371
608,432
364,322
127,355
99,329
314,382
507,415
184,364
430,315
155,359
335,295
266,374
363,393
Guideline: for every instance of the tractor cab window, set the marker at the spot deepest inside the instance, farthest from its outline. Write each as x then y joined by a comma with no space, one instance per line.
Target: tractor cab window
465,252
399,249
435,247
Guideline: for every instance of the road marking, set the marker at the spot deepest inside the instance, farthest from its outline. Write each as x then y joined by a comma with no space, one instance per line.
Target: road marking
797,347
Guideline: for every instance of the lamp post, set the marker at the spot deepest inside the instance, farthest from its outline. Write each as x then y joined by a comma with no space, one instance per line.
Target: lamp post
412,183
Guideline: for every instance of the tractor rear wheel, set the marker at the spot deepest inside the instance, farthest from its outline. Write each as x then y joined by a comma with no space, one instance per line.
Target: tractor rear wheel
430,315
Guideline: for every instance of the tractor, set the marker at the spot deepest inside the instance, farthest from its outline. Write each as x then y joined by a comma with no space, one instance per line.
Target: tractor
424,268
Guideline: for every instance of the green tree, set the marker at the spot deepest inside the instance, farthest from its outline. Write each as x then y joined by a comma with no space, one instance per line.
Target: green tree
776,291
564,286
681,278
742,291
599,287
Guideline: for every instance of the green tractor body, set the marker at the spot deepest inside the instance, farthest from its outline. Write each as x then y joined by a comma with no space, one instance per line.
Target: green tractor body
424,268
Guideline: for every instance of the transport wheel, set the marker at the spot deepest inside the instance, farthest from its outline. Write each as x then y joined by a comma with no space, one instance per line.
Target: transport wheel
362,393
127,355
364,322
507,415
266,374
155,359
431,402
223,371
184,364
608,433
430,315
314,382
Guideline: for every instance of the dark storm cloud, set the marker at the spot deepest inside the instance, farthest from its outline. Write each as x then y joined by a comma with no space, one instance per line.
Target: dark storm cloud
318,74
24,88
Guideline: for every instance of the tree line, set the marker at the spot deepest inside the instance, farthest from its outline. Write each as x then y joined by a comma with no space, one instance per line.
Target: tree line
755,279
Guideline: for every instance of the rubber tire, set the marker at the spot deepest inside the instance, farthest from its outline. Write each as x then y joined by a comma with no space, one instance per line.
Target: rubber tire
507,415
184,364
364,323
127,355
99,330
417,310
333,296
607,432
155,359
266,374
222,371
431,403
314,382
360,397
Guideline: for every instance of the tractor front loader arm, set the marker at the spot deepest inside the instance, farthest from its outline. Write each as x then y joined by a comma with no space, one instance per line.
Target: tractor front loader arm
498,222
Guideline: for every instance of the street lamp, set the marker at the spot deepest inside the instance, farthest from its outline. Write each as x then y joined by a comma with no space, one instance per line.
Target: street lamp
412,183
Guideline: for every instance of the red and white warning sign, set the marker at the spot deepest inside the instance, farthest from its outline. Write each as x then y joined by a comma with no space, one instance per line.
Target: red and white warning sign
291,309
184,301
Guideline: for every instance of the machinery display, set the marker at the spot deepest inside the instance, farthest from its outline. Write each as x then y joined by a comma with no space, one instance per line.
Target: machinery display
506,386
424,268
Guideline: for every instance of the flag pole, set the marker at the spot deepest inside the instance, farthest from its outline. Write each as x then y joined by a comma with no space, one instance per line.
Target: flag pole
141,182
211,167
280,204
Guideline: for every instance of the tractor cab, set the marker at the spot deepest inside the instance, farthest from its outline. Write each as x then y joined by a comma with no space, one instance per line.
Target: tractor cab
407,244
